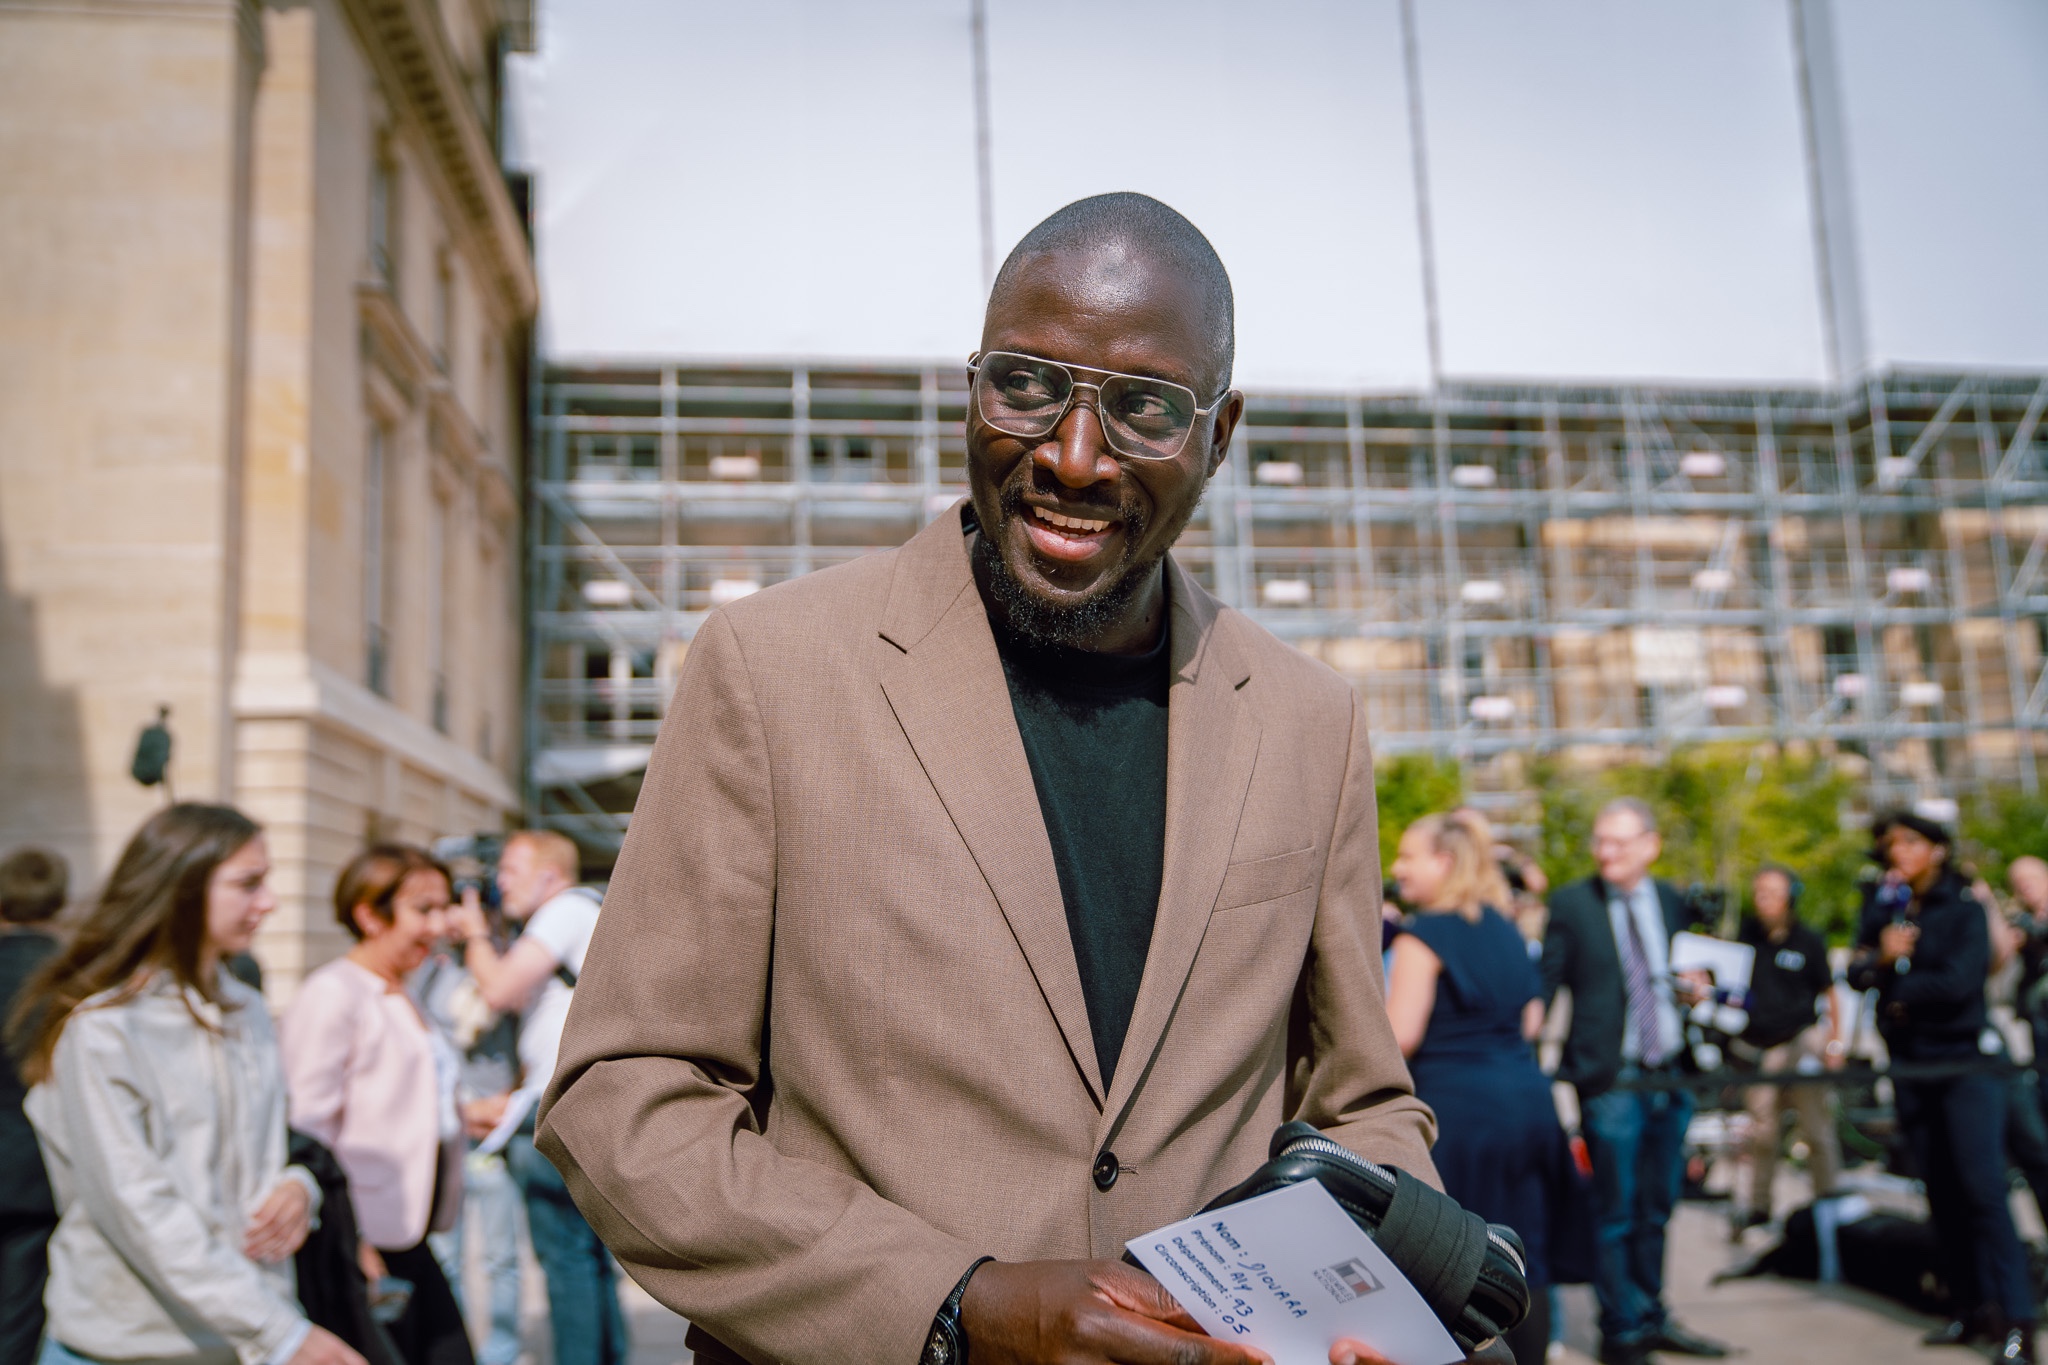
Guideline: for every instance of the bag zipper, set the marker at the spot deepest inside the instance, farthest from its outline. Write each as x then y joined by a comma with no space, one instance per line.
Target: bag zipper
1344,1156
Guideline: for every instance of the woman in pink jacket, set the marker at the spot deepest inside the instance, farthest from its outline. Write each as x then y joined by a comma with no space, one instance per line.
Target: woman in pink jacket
360,1063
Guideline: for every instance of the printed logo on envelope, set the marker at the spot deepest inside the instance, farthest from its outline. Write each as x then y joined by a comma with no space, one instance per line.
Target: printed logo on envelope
1348,1280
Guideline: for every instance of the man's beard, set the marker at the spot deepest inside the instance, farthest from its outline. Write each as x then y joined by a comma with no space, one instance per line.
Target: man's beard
1075,625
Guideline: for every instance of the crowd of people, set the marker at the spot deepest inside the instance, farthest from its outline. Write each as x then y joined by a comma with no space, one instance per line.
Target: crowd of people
1957,981
183,1178
185,1137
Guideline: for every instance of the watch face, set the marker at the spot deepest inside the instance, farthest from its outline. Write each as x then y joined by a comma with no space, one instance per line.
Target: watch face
938,1348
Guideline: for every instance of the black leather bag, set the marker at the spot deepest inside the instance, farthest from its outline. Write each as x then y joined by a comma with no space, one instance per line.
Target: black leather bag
1473,1274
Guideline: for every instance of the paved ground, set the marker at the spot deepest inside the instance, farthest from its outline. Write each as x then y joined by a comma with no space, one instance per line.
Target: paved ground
1770,1321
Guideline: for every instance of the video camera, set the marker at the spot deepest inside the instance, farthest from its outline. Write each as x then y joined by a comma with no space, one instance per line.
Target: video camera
481,850
1703,906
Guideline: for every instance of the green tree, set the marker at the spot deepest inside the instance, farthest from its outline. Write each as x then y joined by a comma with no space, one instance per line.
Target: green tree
1410,786
1724,810
2001,825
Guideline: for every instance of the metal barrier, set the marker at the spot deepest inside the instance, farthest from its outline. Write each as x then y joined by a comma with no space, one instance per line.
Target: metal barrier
1729,1078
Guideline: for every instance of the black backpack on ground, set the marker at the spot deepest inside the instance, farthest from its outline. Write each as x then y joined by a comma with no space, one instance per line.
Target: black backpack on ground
1899,1258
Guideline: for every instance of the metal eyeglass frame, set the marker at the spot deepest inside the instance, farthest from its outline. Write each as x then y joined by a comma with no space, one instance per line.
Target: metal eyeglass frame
1075,385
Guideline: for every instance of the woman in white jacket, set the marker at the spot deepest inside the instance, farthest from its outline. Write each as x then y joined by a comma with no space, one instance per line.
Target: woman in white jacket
158,1097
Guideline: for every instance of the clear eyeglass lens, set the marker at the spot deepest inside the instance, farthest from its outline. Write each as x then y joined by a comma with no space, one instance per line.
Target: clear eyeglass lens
1020,395
1151,415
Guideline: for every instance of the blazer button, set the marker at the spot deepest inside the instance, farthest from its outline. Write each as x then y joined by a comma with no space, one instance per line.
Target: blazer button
1105,1171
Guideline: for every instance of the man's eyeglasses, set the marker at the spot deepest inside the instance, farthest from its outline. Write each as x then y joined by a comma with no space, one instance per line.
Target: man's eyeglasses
1144,419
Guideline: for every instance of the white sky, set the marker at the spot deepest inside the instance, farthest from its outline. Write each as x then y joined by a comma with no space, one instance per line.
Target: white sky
1618,188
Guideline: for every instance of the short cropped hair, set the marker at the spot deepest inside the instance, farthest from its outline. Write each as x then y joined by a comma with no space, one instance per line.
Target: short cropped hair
1631,805
373,877
1156,229
553,848
34,883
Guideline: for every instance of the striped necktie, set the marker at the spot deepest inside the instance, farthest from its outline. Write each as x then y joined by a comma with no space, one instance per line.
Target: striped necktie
1642,991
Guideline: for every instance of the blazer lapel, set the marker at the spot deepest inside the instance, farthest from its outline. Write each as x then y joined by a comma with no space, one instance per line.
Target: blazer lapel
1212,740
949,695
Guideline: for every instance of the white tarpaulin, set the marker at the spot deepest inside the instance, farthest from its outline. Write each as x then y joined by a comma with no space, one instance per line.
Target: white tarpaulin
1618,190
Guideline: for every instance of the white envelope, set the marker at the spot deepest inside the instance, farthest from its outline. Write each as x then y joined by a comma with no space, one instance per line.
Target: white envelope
1290,1273
1730,963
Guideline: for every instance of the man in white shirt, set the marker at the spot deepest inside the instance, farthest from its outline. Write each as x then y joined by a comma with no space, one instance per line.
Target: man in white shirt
1609,943
536,976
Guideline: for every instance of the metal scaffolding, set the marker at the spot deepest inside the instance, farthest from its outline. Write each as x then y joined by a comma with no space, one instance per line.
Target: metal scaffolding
1503,570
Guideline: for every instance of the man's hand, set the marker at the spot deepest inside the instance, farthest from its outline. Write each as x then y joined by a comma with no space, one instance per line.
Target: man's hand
1692,986
479,1117
372,1263
322,1347
280,1224
1085,1313
466,918
1895,941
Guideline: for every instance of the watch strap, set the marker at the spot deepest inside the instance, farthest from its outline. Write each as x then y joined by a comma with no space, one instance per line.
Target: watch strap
946,1344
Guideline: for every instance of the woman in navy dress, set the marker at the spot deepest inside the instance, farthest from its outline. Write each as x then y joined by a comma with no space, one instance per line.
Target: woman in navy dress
1465,1001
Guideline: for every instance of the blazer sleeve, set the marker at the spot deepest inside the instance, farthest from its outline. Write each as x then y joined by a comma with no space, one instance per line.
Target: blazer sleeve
1357,1088
654,1112
1560,946
134,1202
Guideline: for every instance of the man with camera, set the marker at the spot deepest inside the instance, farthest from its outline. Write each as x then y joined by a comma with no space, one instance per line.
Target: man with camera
536,977
1609,942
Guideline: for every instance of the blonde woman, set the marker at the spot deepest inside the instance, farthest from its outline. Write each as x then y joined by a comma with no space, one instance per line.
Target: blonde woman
1464,999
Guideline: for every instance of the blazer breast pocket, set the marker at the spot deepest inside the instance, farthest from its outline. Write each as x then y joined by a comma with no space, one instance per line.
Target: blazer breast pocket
1267,879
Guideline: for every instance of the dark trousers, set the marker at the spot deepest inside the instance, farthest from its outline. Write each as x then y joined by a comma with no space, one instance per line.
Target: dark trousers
430,1331
2026,1133
583,1284
1956,1129
24,1267
1637,1142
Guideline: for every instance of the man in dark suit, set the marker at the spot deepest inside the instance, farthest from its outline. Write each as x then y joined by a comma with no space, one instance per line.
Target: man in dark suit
1609,943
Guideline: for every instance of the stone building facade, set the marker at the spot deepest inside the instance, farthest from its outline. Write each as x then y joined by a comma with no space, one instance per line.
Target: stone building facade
265,298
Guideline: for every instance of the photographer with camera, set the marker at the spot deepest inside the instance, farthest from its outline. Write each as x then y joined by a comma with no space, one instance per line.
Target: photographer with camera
1925,947
1609,942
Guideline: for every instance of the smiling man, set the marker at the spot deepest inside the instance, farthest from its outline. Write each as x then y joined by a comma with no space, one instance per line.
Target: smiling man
990,901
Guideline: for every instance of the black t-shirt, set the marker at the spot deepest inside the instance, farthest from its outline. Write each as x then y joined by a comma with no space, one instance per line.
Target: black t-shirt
1785,984
1094,729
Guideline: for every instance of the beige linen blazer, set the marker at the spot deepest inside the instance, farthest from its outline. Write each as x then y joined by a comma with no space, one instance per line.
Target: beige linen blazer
830,1043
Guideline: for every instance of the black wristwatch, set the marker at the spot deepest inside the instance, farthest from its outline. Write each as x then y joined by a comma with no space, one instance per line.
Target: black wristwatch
947,1344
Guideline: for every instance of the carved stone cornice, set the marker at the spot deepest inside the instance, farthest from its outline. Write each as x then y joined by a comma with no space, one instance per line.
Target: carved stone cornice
410,52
